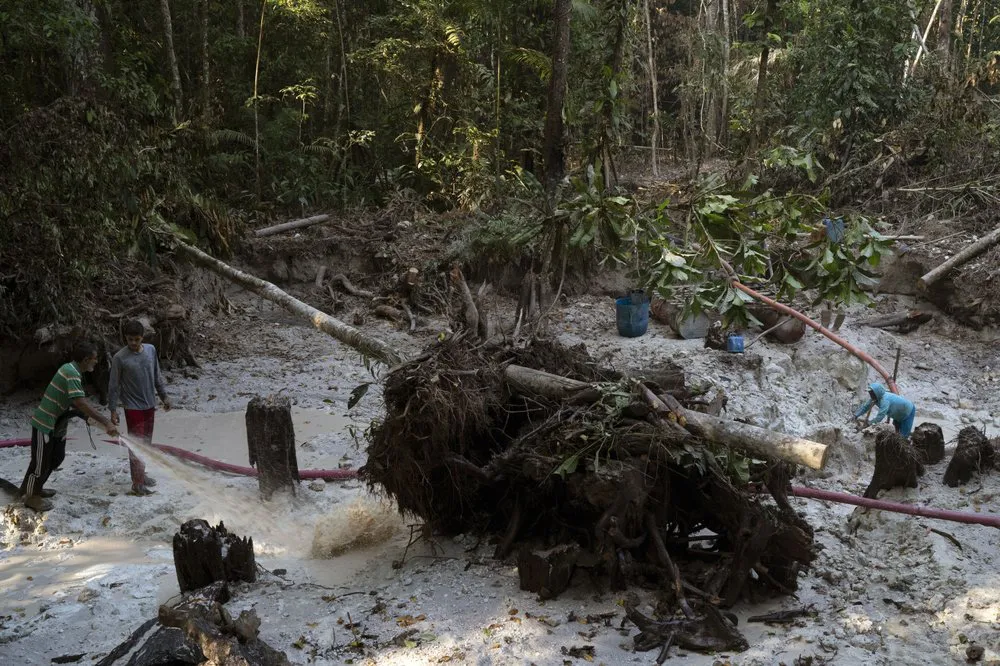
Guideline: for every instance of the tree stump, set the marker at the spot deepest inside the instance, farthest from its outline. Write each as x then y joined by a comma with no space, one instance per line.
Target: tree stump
896,464
271,443
973,454
205,554
547,573
197,630
928,440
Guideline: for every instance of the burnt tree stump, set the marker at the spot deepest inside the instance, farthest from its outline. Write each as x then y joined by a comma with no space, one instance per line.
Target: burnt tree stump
204,555
928,440
547,573
271,443
897,464
974,453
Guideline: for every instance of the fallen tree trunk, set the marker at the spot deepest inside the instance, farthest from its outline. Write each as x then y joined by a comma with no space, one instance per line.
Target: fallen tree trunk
742,436
350,336
289,226
906,321
969,253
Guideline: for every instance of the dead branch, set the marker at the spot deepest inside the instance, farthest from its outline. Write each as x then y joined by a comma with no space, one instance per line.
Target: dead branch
969,253
289,226
350,336
346,285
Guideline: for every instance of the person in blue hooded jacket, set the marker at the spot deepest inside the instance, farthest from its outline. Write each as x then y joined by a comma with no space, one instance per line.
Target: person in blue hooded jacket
896,407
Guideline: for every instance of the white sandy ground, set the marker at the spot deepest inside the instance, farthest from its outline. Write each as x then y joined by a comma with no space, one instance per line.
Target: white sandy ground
81,579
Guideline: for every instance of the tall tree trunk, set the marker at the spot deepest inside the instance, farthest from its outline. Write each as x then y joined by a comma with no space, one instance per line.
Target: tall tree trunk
608,122
168,39
944,34
724,111
206,85
343,65
758,99
256,104
241,25
552,142
653,89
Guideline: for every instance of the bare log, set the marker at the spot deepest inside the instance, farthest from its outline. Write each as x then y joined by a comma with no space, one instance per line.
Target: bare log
289,226
389,312
320,275
757,441
906,321
969,253
350,336
742,436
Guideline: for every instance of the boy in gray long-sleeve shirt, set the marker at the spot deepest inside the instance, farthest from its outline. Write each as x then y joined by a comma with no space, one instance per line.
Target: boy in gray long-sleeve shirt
135,382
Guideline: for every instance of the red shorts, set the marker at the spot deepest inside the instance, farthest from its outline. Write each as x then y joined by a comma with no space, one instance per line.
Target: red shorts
140,422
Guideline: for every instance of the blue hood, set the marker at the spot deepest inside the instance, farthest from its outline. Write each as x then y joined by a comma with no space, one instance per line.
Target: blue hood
878,390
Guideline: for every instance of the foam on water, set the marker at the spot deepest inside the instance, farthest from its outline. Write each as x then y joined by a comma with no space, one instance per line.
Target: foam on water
278,527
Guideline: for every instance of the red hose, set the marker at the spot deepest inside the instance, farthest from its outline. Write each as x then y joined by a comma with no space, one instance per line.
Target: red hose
988,519
809,322
324,474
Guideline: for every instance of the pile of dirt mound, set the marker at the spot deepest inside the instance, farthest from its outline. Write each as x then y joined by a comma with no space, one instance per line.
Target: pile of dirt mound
574,465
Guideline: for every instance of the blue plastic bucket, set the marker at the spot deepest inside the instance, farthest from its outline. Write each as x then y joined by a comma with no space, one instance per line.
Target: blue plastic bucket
734,344
633,318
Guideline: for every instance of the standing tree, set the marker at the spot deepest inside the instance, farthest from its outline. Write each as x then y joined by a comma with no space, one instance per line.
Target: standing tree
552,142
168,40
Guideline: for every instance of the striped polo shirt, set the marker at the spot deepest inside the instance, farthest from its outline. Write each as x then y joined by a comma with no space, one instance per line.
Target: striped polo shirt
65,387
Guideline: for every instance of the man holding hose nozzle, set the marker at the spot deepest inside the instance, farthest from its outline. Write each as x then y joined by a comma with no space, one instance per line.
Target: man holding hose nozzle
136,379
63,399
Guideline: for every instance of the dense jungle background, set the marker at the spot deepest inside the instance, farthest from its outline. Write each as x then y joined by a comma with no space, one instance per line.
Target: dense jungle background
662,136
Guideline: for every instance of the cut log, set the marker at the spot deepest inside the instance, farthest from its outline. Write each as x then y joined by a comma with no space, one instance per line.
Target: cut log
973,454
350,336
928,441
204,555
292,225
969,253
271,444
389,312
547,573
896,464
907,321
747,438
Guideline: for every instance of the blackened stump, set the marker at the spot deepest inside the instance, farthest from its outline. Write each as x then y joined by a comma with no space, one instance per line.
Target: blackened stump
928,440
896,464
973,454
204,554
271,443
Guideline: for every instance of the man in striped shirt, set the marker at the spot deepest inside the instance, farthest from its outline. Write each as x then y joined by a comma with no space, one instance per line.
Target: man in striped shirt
48,424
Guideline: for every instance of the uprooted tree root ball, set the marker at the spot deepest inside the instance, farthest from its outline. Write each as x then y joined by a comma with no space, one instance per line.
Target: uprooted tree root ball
595,480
